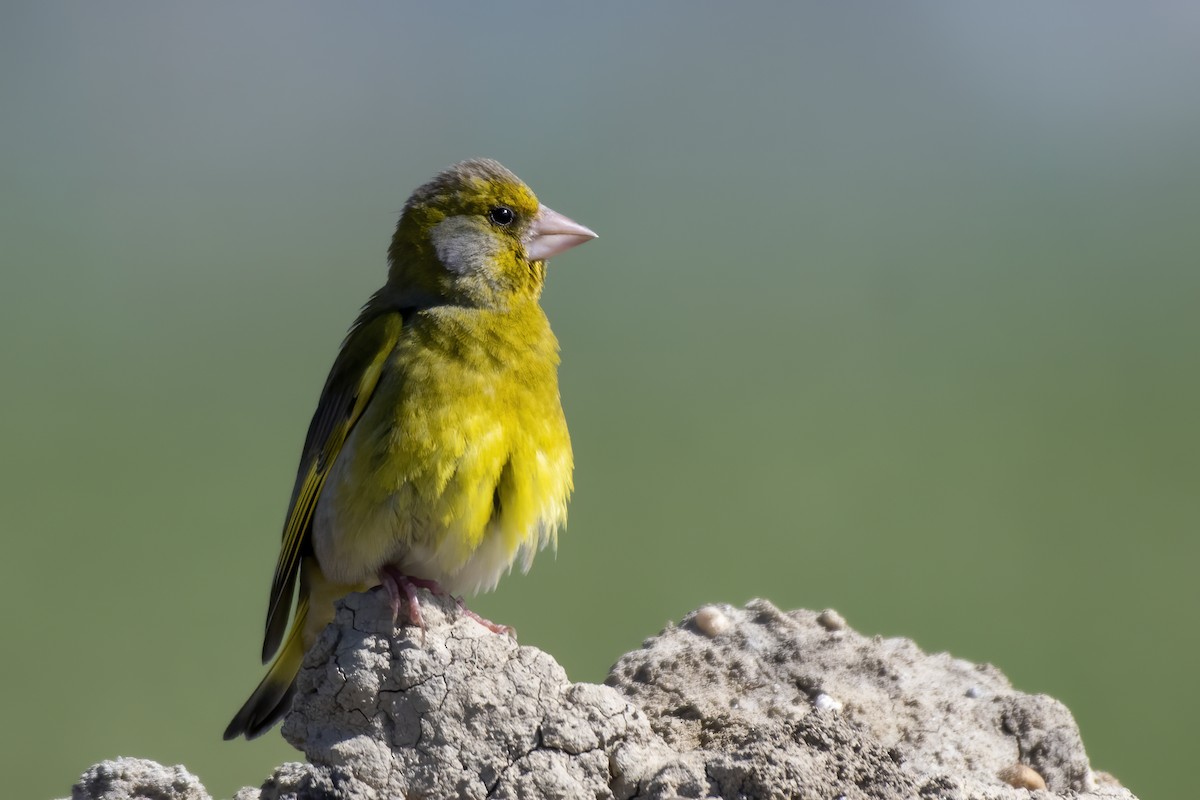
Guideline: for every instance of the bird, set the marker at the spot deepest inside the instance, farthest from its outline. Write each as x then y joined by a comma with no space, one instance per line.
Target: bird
438,455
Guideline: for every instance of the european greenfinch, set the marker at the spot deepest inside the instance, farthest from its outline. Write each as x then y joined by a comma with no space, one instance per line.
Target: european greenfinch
438,454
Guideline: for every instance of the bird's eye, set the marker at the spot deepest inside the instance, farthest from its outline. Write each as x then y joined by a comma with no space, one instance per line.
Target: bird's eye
502,215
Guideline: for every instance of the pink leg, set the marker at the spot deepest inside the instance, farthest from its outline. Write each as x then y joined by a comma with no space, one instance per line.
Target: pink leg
400,589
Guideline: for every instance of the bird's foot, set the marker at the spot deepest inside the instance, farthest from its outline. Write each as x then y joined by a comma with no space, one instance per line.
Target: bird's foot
401,590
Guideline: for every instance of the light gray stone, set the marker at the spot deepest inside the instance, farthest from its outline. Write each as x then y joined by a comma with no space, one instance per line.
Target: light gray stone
731,703
137,779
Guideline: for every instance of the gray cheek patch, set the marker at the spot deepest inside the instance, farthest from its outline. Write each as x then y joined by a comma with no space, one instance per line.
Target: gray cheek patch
462,246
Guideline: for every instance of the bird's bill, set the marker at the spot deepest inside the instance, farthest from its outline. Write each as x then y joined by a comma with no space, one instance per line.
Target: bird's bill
552,233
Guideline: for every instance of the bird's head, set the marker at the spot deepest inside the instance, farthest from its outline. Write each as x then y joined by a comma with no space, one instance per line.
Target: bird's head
476,235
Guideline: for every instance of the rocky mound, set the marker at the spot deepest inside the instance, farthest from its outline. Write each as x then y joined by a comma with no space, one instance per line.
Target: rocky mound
731,703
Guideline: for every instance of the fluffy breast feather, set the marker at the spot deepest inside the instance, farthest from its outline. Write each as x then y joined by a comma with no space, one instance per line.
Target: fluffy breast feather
460,465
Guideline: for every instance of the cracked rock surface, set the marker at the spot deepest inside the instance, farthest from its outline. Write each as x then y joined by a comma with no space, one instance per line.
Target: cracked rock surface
731,703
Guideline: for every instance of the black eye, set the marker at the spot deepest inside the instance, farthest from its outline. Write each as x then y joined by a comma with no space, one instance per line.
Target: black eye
502,215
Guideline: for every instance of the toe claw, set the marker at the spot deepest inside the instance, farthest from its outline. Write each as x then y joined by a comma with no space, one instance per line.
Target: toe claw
494,627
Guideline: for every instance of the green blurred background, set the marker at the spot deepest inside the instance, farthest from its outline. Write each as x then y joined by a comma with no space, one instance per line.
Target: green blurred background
894,309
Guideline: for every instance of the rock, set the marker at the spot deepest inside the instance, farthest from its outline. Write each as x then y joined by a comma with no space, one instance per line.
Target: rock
820,707
137,779
463,713
731,703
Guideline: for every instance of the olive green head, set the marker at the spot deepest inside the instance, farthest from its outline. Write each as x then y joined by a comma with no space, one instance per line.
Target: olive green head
476,235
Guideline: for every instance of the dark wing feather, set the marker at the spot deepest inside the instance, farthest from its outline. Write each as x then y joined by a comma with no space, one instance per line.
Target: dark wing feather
349,386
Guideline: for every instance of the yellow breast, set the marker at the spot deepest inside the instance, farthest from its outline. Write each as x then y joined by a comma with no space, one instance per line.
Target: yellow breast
461,462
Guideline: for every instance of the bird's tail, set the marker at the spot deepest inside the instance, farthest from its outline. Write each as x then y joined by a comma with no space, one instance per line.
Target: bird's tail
273,697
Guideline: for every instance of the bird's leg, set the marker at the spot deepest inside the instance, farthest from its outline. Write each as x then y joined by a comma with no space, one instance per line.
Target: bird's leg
400,590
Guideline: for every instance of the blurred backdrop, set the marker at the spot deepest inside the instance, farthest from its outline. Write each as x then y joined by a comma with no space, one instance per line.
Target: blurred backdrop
894,309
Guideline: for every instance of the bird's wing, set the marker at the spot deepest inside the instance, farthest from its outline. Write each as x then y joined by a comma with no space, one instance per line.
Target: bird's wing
349,386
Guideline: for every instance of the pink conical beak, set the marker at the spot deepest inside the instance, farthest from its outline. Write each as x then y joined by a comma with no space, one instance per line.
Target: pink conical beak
551,233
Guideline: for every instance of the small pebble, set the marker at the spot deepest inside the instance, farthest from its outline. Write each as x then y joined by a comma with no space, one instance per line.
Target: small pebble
1021,776
712,621
831,620
824,702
